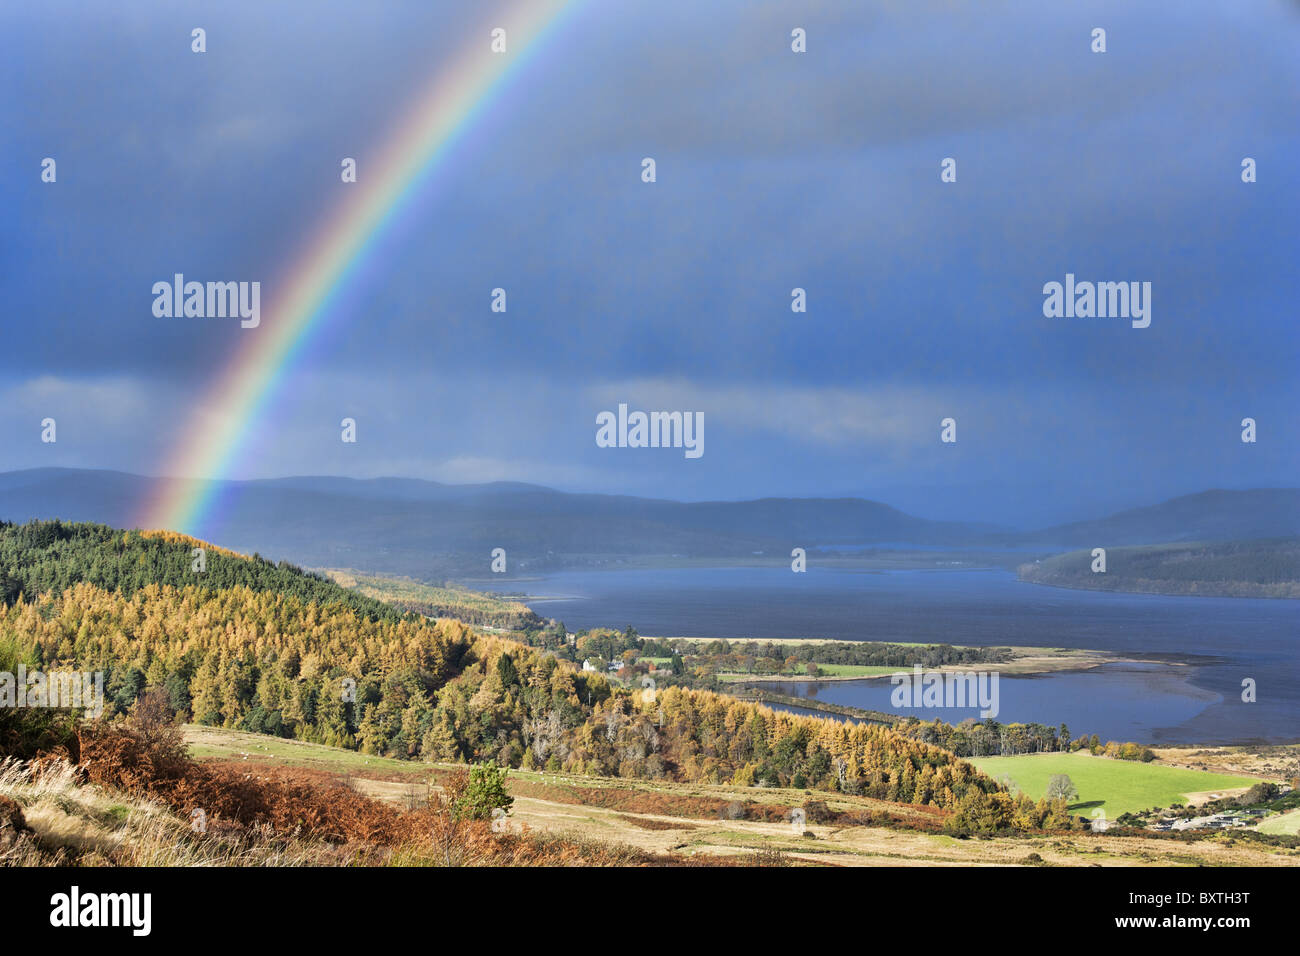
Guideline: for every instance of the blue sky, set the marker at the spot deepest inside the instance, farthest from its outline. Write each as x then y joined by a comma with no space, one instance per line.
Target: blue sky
775,170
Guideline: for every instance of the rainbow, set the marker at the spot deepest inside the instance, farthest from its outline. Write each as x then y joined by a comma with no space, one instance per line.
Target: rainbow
227,411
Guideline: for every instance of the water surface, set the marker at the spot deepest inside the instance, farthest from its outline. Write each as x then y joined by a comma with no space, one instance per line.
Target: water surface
1225,639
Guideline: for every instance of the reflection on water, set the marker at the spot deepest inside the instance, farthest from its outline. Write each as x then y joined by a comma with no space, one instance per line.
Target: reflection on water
1227,639
1114,701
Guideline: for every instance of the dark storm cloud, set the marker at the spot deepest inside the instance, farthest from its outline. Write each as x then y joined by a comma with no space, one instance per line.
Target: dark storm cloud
775,171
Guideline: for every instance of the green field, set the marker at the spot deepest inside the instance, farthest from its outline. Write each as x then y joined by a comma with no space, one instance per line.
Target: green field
1284,823
219,743
858,670
1119,786
826,670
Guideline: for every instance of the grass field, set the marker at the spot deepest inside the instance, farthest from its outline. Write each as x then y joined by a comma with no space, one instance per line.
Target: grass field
677,819
857,670
216,743
1118,786
827,670
1285,823
1024,660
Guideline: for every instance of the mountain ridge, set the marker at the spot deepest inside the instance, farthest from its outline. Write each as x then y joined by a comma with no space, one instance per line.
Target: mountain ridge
426,528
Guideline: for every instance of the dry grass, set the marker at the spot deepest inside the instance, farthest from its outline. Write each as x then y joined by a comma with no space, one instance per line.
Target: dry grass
132,799
74,823
1269,762
68,822
627,822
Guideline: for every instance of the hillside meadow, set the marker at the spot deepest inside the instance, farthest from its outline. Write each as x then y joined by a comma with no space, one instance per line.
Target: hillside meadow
699,822
1117,786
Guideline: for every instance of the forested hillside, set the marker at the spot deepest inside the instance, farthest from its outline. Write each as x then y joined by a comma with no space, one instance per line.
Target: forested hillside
318,663
46,556
1260,568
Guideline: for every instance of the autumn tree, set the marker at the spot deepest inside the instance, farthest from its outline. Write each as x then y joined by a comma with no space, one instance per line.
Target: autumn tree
1061,787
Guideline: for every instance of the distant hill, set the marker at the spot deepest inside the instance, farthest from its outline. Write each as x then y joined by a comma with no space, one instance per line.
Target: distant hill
1264,568
433,531
50,556
1208,516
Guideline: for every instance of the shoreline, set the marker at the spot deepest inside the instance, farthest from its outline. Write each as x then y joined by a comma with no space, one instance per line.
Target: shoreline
1249,757
1026,665
1157,593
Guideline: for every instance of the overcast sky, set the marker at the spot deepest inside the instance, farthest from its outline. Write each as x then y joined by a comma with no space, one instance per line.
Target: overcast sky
775,170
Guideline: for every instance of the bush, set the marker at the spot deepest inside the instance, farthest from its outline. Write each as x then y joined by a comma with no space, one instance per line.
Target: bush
12,823
483,790
816,811
1262,792
735,810
27,731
